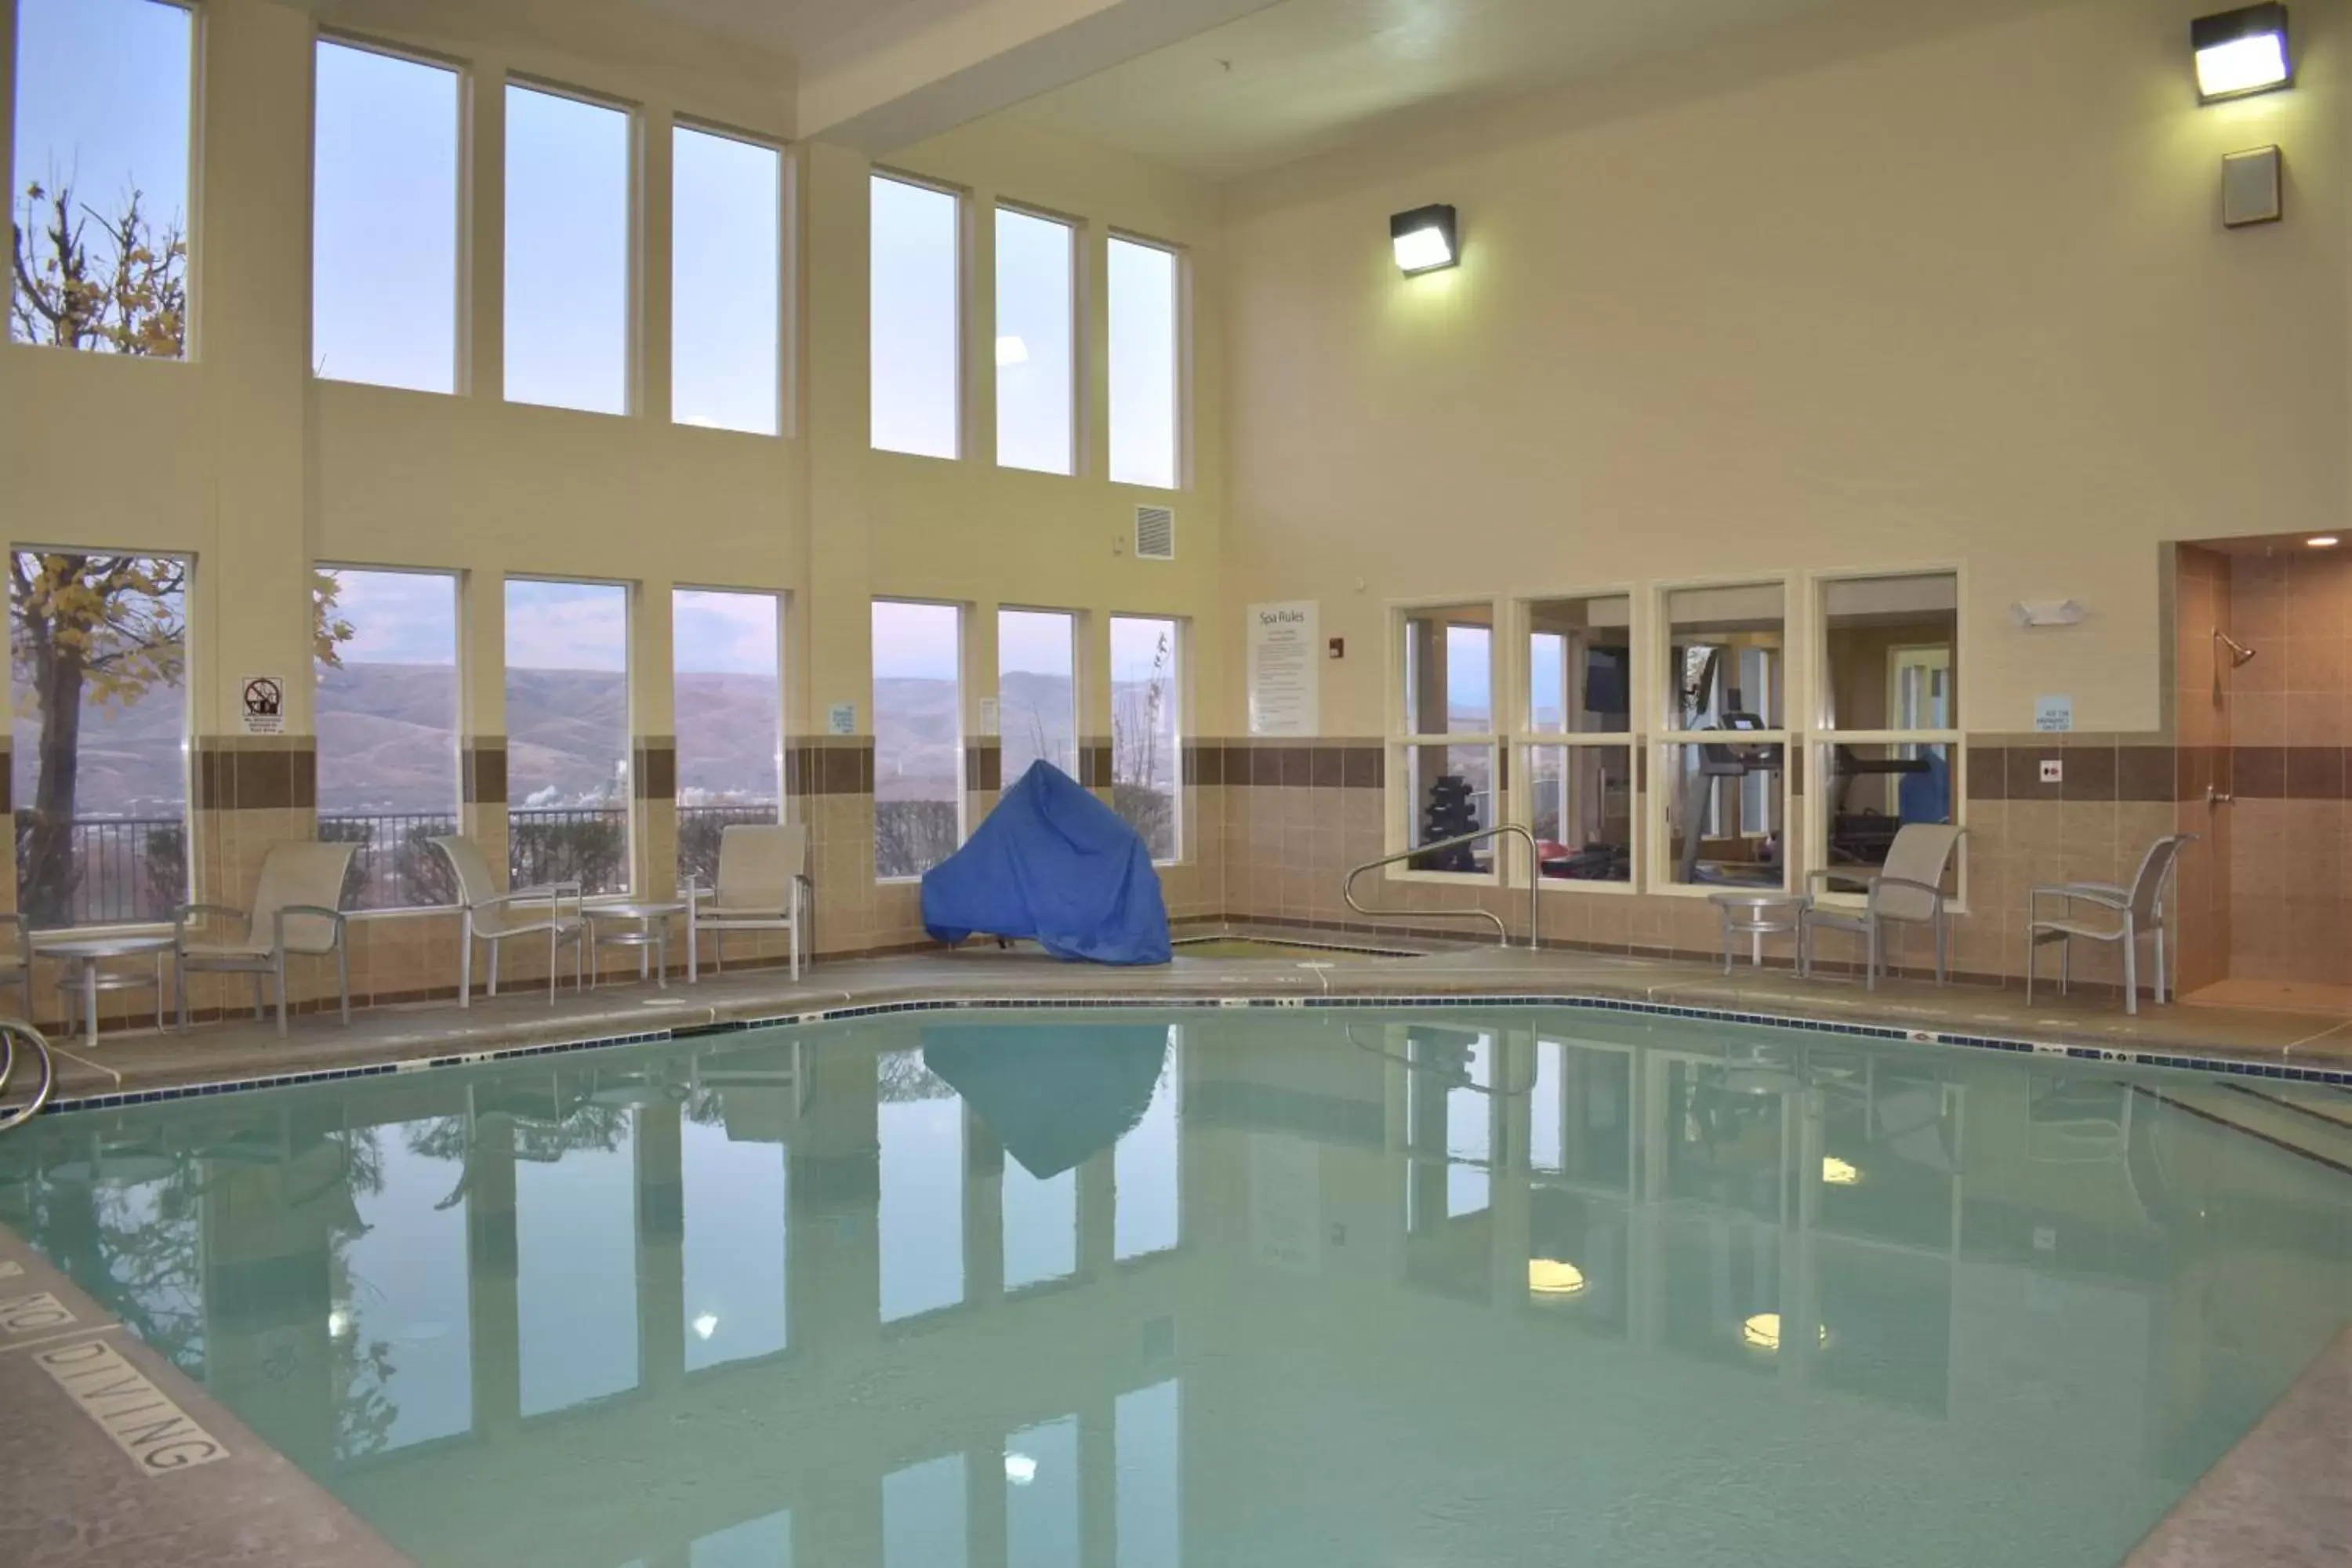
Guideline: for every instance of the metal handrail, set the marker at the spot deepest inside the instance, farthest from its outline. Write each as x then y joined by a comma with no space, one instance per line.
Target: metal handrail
11,1031
1501,932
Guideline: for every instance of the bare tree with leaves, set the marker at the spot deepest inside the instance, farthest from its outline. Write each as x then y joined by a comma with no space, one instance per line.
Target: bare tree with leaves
123,288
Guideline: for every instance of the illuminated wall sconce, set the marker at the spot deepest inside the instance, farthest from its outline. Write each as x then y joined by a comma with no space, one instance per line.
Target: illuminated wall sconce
1426,239
2240,52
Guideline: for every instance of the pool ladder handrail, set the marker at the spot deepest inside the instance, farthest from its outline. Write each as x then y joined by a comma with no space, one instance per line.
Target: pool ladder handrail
1501,932
12,1030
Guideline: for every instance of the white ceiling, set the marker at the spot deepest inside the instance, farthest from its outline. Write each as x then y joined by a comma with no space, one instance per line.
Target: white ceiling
801,27
1306,76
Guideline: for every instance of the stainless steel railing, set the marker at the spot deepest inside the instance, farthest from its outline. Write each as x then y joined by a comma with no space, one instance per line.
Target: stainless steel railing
19,1040
1501,932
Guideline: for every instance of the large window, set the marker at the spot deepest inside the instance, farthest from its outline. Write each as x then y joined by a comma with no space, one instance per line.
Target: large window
1034,352
567,245
728,651
1447,742
1889,691
100,192
568,734
383,220
1145,372
1577,766
919,1216
1036,690
1723,784
1148,1440
1147,1166
727,282
915,362
918,736
575,1229
731,1256
387,721
99,646
1147,761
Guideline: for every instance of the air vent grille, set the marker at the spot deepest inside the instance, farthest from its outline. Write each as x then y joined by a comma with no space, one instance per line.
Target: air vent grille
1155,533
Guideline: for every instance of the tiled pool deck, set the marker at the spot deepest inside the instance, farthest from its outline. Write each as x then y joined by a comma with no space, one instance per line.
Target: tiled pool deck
80,1497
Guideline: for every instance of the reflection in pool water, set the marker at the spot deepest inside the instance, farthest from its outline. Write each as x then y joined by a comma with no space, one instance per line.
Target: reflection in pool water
1262,1286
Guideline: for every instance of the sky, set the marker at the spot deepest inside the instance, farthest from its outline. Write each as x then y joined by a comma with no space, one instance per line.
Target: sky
912,344
567,245
567,625
102,101
916,642
1034,358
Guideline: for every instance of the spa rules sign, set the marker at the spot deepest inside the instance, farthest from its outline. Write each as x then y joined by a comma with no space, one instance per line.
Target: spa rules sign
1283,668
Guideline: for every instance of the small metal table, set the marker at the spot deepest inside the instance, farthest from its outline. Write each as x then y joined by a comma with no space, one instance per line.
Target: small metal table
83,959
1759,912
643,926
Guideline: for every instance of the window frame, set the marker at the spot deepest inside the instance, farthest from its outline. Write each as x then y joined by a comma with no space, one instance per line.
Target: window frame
191,348
1182,640
633,297
959,331
457,577
1522,737
1399,804
1822,738
461,337
631,610
1075,429
1180,391
963,612
784,600
1664,741
192,868
786,294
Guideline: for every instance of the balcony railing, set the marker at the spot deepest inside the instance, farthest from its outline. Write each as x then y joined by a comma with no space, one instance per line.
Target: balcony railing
134,870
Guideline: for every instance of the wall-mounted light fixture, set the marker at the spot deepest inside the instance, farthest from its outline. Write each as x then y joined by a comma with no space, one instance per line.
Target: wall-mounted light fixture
2240,52
1425,238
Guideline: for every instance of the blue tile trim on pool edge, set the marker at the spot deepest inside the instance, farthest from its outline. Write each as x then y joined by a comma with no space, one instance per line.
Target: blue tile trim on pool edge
2149,1059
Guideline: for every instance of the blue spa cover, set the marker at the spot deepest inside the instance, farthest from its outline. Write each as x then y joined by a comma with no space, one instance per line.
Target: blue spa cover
1054,863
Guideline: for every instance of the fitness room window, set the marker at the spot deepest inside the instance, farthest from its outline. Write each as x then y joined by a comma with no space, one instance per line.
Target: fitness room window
1445,746
1577,745
1890,700
1722,794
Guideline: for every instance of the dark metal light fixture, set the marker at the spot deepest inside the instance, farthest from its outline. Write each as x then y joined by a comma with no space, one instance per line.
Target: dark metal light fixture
1425,239
2240,52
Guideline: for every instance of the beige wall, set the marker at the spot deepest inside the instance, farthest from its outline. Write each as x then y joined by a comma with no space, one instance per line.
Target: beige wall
1903,286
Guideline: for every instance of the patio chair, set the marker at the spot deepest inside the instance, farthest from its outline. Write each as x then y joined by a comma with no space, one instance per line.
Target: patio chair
495,917
16,961
762,885
2104,912
1907,891
295,913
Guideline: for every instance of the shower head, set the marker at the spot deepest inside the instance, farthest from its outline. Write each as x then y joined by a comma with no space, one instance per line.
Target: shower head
2239,652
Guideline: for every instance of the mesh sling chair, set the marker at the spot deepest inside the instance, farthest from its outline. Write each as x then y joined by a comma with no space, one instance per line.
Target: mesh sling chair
2104,911
496,918
296,913
762,885
1907,891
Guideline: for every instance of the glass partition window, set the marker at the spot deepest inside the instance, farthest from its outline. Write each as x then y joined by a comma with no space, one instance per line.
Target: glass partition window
1147,754
1035,357
1145,364
727,650
383,220
727,282
1722,793
1890,693
1447,751
99,668
918,736
568,278
1036,690
100,191
568,734
386,664
1576,740
916,362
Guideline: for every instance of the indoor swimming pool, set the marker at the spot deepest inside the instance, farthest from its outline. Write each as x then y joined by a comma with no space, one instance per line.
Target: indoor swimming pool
1225,1286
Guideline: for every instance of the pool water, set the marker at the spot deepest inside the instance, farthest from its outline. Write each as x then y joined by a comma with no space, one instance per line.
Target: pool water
1228,1286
